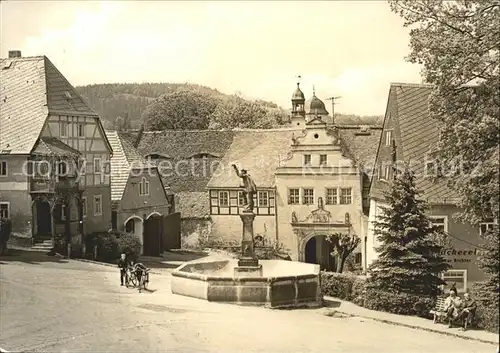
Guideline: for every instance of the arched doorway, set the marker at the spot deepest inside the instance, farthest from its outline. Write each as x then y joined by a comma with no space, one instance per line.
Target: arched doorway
42,220
318,250
153,234
134,225
310,251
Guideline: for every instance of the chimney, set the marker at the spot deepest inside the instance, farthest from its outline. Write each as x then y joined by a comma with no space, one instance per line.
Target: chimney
14,54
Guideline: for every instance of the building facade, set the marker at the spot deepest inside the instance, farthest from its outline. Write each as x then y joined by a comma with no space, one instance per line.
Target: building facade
139,198
410,135
53,152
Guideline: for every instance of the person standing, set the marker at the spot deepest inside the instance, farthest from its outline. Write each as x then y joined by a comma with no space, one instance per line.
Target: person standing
122,265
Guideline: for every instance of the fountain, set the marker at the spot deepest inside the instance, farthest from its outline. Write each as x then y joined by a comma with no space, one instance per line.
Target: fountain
248,280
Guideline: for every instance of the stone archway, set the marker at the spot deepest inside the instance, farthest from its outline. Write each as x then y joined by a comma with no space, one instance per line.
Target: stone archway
135,225
315,248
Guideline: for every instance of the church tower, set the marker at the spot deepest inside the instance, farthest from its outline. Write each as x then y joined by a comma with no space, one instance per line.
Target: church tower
297,117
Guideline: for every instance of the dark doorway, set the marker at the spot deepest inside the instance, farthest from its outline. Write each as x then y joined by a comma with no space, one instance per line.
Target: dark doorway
171,231
114,220
311,251
130,226
152,235
44,220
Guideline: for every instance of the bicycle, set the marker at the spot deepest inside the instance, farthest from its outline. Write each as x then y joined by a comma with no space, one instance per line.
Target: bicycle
130,277
144,279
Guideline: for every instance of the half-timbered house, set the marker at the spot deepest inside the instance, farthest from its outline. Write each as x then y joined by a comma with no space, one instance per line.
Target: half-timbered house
54,154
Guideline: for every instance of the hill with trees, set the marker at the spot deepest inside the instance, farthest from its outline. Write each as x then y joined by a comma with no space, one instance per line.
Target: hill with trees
186,106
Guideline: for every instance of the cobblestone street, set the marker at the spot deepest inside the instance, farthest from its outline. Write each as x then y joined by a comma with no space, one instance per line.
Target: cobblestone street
49,304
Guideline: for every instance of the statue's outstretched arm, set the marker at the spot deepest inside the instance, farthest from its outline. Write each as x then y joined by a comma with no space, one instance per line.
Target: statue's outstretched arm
237,171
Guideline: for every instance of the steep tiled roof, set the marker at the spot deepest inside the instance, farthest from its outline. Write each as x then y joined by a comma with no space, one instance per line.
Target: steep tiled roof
193,204
361,145
419,133
257,151
182,144
125,158
53,146
179,172
31,89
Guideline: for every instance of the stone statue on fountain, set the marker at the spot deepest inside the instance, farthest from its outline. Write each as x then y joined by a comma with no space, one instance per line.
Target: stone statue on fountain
248,264
249,187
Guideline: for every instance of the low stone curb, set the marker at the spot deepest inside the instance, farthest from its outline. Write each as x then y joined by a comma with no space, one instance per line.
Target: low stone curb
110,265
417,327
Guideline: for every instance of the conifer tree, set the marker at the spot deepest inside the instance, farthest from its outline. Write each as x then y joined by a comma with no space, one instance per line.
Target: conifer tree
409,259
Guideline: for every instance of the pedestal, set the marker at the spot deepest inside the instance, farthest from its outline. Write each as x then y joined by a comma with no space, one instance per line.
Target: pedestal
248,264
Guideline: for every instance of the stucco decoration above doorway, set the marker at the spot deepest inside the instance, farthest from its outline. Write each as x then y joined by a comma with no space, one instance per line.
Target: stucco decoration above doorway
318,223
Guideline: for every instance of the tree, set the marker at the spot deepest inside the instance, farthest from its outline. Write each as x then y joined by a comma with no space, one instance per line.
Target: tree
409,259
458,45
187,109
236,112
343,246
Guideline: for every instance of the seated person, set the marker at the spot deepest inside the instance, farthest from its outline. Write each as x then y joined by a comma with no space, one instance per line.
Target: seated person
468,310
452,306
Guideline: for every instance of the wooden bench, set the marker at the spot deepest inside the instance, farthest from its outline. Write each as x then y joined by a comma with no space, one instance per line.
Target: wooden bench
439,310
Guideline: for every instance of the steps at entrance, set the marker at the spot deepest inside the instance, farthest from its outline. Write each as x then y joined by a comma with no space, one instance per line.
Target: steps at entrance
45,245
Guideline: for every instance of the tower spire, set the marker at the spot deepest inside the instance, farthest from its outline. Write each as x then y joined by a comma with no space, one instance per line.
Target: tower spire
314,90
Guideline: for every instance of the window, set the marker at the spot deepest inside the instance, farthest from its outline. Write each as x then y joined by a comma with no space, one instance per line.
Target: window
241,199
440,222
4,209
3,168
455,277
84,206
323,159
97,205
63,212
62,168
388,138
223,199
144,187
97,166
308,196
486,226
42,169
63,127
307,159
331,196
263,199
81,130
293,196
345,196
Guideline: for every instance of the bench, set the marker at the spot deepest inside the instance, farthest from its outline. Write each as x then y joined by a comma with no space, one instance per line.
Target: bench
439,309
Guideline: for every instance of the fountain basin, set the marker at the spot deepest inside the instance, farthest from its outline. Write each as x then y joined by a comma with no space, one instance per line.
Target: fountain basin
283,284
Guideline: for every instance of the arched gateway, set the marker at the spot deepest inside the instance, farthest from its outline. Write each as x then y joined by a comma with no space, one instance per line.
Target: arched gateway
312,233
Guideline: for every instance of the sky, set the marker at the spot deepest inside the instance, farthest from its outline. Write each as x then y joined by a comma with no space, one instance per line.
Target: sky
351,49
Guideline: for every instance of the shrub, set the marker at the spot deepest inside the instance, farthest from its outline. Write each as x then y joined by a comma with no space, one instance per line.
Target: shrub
344,286
107,245
130,245
398,303
487,305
